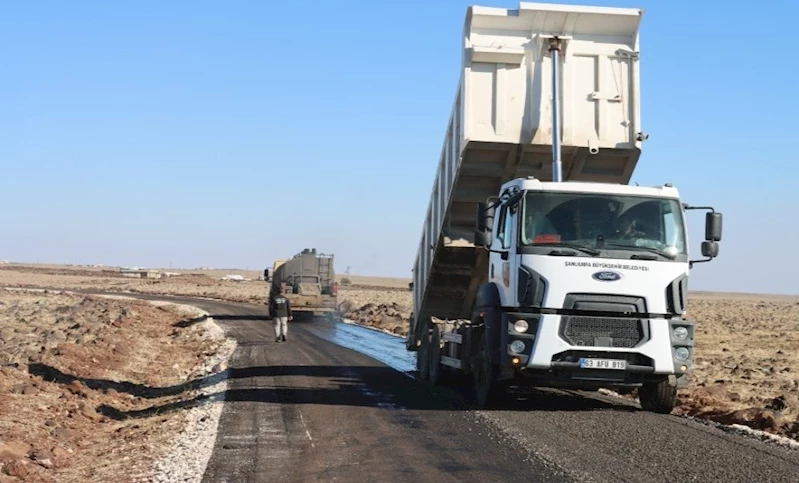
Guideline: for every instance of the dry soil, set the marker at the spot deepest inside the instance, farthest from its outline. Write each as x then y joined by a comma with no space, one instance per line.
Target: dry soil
77,375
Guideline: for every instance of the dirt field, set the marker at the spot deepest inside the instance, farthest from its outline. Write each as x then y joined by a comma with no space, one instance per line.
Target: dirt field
747,361
78,376
747,346
378,302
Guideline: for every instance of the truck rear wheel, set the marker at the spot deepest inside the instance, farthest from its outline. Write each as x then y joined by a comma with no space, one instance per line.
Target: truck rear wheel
440,374
423,352
658,397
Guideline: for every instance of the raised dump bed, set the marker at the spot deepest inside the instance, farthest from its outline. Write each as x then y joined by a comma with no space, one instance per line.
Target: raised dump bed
501,128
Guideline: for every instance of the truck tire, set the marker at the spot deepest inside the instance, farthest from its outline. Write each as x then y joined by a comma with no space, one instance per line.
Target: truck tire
423,352
440,375
658,397
487,392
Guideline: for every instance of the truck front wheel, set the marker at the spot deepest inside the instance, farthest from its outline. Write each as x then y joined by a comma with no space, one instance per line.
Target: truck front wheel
487,392
658,397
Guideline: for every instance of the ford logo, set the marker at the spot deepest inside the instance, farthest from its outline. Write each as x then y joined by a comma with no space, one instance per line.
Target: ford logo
606,276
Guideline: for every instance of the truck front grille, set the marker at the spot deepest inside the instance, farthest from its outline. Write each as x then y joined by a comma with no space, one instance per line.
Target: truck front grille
602,331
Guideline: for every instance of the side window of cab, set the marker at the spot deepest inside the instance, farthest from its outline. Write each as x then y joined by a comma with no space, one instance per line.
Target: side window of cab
502,226
505,228
507,235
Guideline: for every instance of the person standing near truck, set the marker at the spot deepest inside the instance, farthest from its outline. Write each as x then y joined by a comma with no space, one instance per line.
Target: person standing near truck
280,311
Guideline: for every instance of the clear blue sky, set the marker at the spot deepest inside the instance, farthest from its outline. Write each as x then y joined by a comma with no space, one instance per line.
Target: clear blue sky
229,134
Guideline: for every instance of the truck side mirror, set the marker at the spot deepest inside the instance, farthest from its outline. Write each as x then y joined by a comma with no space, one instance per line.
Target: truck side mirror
266,274
482,239
712,228
485,224
710,249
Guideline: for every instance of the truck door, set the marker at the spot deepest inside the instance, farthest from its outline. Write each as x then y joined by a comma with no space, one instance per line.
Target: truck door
503,272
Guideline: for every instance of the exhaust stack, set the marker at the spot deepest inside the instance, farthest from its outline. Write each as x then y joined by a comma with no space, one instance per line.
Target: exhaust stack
554,49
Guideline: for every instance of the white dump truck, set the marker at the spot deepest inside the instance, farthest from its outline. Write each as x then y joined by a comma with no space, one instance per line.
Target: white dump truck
539,265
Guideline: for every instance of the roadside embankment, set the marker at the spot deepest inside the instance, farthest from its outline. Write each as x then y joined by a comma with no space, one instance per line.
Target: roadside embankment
95,388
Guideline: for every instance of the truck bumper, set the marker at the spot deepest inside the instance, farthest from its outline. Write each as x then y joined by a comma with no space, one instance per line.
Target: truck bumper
312,303
554,345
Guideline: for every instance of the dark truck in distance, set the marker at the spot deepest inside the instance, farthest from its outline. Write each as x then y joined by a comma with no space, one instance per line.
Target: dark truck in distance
308,280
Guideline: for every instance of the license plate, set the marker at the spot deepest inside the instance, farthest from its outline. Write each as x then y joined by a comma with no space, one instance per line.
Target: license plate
603,364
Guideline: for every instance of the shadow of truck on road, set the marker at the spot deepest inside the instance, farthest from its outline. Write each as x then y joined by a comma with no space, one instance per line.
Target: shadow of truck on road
361,386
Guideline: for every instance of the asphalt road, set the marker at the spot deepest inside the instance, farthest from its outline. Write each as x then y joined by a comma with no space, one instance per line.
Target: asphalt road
310,410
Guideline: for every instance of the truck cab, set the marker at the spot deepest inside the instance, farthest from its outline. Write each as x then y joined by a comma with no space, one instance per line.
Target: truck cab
587,286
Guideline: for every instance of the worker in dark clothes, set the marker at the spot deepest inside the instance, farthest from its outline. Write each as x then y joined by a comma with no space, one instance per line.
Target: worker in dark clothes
280,311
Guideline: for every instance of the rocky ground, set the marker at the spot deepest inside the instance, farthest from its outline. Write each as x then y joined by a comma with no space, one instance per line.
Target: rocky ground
747,363
80,376
382,307
747,346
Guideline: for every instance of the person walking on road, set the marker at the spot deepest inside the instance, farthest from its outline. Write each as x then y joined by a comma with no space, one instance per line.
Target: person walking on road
280,311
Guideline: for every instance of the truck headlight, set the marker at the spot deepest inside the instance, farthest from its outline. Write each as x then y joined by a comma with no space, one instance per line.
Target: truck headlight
680,333
521,326
682,353
517,346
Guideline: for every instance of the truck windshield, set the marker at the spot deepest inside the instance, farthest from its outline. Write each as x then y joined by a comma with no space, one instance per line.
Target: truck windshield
621,222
